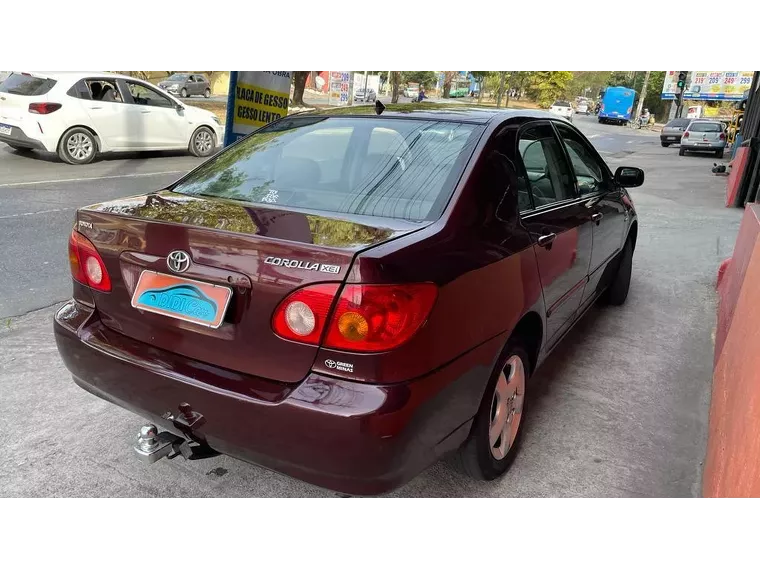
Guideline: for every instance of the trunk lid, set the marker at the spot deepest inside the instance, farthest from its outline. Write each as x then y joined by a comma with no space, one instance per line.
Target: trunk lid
262,254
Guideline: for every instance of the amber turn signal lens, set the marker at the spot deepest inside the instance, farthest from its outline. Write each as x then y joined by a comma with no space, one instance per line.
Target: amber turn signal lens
353,326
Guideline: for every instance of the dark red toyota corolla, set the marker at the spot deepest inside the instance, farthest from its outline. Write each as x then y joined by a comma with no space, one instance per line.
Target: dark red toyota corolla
347,298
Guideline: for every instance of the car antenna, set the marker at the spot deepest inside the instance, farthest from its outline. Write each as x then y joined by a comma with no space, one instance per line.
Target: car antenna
379,108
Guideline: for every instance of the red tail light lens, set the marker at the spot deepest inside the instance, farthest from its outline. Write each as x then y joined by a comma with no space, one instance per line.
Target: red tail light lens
686,134
366,318
87,266
722,136
43,108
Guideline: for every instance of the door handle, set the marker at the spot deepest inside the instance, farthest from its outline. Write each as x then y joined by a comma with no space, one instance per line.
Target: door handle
95,108
145,112
546,240
597,217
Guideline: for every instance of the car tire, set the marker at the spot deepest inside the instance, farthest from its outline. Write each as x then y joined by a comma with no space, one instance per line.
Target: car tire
719,154
183,93
207,93
617,292
479,457
664,144
77,146
682,152
203,142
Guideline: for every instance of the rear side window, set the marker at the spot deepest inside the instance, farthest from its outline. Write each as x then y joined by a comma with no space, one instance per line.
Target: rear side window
706,127
384,167
26,85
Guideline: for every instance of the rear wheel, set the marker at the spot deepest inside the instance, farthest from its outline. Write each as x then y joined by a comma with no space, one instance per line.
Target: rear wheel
77,146
665,144
497,430
203,142
682,152
207,93
719,154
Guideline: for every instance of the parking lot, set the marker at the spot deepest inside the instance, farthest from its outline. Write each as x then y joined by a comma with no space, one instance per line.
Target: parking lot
619,409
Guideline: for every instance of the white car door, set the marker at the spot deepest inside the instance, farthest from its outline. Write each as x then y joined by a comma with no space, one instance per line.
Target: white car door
154,119
108,116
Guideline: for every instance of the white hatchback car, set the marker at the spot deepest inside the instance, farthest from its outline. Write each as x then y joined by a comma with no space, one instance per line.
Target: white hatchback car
79,115
562,109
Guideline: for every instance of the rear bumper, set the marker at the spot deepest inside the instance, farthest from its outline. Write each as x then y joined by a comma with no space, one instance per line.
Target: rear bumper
673,138
350,437
702,147
18,137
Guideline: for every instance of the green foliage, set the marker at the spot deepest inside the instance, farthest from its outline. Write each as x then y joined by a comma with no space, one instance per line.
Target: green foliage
427,79
546,86
587,83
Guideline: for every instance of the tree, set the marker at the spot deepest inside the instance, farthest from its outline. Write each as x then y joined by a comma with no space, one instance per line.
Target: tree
425,78
299,85
503,75
481,77
448,79
395,79
546,86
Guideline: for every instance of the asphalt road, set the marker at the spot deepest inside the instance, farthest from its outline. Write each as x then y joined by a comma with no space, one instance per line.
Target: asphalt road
620,409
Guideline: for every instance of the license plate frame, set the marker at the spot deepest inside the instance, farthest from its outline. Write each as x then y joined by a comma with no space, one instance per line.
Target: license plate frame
181,298
6,129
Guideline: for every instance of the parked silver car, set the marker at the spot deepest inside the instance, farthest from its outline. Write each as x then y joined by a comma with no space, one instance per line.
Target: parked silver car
187,85
672,132
704,136
369,96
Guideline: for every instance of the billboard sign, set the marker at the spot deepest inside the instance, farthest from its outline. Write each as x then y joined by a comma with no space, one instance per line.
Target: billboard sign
709,85
340,85
255,98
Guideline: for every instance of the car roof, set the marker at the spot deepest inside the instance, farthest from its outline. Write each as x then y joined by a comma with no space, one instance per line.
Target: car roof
436,112
75,76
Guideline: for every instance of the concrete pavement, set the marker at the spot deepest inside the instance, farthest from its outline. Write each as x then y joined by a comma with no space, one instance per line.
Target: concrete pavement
620,409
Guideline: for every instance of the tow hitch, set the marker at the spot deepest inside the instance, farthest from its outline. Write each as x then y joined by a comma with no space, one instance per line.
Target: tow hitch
153,445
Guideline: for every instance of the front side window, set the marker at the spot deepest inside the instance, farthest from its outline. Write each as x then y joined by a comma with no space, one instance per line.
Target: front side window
142,95
385,167
588,172
548,175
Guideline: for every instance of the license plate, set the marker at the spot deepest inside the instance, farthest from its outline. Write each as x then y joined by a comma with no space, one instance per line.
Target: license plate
181,298
672,138
5,129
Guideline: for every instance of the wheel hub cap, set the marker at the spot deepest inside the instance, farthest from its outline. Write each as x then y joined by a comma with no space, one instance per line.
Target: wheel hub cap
79,146
506,407
203,141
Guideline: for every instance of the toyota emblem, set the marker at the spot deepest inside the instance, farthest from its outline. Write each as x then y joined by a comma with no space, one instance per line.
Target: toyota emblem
178,261
330,363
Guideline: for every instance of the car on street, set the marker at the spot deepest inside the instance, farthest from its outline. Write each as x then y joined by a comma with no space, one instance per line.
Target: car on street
704,136
562,109
79,115
369,95
186,85
411,92
671,133
582,107
347,297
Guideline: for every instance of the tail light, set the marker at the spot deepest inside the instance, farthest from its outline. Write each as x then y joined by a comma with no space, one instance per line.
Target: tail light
685,134
722,136
44,108
366,318
87,266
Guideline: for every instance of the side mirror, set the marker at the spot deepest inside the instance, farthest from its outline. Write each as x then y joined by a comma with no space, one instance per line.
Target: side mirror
629,177
179,108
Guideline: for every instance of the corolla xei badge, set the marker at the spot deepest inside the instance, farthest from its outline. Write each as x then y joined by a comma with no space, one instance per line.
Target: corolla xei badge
305,265
178,261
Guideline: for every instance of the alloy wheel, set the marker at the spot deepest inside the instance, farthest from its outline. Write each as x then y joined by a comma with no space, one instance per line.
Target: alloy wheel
79,146
506,407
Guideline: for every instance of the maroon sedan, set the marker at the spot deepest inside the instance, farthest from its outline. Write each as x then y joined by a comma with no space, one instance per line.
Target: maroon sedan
347,298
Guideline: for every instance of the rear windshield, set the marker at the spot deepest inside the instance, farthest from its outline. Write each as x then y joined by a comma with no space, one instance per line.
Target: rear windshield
385,167
561,104
677,122
706,127
19,84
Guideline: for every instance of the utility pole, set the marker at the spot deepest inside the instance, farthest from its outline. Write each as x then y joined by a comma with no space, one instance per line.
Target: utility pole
643,95
366,78
388,85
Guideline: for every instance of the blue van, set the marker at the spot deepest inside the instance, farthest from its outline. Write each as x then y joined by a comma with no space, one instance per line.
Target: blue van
617,105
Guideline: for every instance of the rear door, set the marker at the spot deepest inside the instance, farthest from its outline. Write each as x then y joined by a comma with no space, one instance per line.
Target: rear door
110,118
559,225
602,201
